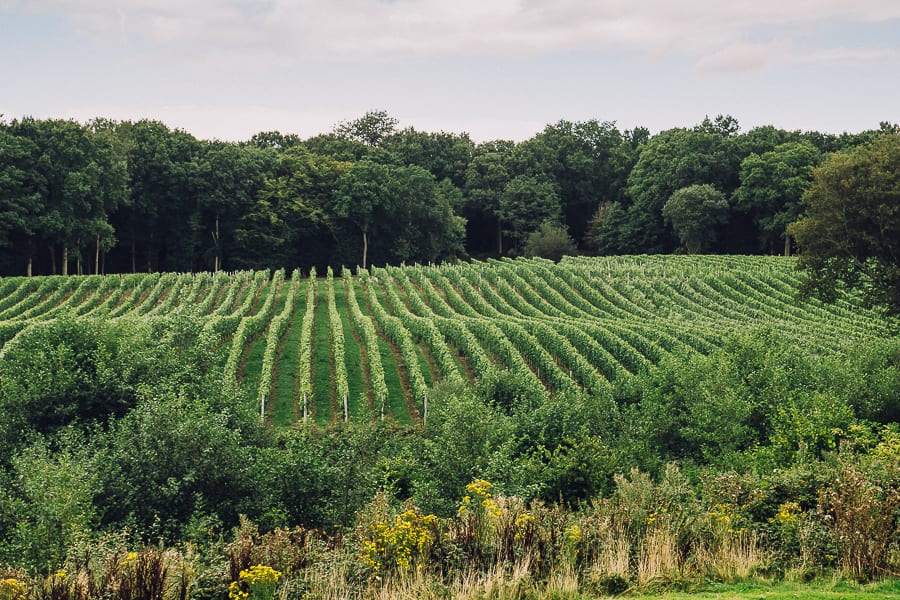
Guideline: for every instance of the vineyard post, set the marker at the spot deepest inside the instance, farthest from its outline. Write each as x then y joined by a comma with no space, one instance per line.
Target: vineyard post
345,409
305,408
382,407
262,408
425,411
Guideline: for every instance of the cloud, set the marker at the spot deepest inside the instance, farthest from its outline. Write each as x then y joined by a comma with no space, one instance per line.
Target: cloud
713,31
854,55
740,58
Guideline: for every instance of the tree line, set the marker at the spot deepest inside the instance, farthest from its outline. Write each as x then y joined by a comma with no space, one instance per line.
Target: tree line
109,196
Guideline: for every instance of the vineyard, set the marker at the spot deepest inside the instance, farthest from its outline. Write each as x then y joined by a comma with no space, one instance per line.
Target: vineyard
370,344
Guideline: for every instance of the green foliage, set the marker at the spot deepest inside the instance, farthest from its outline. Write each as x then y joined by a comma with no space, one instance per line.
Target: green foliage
695,212
755,392
526,202
173,459
850,235
550,241
672,160
49,505
58,372
771,186
319,478
444,155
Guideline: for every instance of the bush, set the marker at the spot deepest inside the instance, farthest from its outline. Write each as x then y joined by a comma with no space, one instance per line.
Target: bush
551,241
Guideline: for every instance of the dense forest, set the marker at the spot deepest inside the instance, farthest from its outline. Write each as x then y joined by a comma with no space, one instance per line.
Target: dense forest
107,196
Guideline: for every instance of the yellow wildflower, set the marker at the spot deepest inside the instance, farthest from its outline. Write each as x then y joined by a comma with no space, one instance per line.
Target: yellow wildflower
399,545
788,514
480,487
573,534
257,582
12,589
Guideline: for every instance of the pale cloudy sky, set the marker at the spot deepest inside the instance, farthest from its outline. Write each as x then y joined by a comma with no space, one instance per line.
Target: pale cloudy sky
494,68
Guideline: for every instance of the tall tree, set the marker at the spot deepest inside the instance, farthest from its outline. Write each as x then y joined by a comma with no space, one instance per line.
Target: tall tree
486,177
850,234
162,216
370,129
82,182
671,160
290,220
423,225
228,179
695,212
365,194
582,158
771,186
444,155
20,194
525,203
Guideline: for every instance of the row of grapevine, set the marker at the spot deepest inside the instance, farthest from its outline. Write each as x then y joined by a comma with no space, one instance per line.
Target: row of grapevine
366,328
304,356
224,323
570,327
396,332
342,387
277,327
250,326
423,328
139,289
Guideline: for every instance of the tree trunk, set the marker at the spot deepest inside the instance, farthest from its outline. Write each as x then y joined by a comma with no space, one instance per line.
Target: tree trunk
65,260
52,259
217,261
28,268
365,248
787,245
499,239
150,254
97,257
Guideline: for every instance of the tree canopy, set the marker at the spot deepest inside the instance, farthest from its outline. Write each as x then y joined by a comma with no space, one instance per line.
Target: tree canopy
695,212
849,235
109,196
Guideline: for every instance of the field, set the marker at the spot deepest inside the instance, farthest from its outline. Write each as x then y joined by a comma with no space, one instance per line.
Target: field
371,344
498,429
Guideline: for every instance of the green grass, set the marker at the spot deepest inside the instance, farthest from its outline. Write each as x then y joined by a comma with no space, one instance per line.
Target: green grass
396,404
824,590
283,413
358,405
632,311
323,384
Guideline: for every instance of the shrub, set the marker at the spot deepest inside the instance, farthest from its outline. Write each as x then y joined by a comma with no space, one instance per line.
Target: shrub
551,241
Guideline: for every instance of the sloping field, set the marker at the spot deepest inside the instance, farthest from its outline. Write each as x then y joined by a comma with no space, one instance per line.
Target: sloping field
371,344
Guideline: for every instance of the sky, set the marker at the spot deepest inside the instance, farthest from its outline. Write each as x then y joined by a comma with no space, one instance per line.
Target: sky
495,69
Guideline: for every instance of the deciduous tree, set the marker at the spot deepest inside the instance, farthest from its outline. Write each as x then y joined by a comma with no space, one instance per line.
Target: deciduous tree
771,186
695,212
850,234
